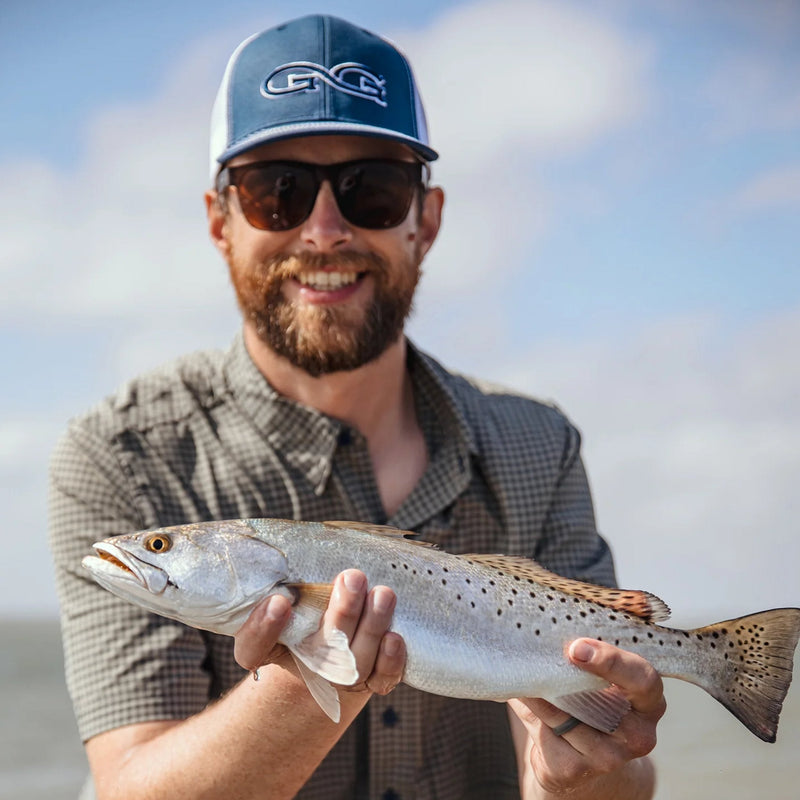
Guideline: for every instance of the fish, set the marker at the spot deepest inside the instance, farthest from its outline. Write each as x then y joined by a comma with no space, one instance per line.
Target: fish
476,626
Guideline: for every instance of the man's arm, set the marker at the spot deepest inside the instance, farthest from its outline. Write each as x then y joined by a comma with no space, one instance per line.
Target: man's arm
264,738
585,763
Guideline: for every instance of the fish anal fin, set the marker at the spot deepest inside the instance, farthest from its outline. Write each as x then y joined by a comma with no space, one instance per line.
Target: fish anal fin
380,530
628,601
321,690
316,595
602,709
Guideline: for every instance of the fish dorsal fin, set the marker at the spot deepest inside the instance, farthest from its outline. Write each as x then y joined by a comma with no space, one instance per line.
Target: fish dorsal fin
629,601
380,530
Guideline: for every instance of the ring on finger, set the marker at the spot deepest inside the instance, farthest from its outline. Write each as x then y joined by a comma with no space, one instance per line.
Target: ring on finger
566,727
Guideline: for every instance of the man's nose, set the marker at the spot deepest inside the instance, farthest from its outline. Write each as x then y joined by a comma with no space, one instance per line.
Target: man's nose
326,228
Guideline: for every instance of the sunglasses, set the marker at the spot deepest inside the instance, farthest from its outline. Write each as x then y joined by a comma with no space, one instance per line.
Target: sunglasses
279,195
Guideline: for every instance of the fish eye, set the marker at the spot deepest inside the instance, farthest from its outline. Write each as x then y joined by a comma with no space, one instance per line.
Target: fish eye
158,543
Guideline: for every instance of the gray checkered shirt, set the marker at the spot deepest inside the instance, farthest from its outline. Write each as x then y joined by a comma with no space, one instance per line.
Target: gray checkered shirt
207,438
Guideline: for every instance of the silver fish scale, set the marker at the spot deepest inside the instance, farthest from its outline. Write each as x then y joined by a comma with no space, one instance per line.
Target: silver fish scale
470,631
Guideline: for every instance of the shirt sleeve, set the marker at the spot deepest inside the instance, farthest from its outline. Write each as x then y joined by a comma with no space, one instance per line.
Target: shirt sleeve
123,665
570,543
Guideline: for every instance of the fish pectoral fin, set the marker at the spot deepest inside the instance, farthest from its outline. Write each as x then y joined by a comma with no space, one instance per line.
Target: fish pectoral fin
380,530
602,709
316,595
328,654
629,601
321,690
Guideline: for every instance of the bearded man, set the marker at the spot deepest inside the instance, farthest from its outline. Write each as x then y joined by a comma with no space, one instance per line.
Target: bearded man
322,409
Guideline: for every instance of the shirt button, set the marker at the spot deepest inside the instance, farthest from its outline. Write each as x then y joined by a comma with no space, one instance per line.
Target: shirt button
390,718
345,437
390,794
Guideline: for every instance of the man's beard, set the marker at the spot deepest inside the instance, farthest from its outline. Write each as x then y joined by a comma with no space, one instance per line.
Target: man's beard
324,339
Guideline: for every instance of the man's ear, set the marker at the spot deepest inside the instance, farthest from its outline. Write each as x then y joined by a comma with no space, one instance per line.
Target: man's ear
431,218
217,223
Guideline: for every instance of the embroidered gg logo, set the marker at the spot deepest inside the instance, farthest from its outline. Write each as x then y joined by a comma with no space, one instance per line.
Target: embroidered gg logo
304,76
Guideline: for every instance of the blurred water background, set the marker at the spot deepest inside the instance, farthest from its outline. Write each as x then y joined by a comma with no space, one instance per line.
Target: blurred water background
703,752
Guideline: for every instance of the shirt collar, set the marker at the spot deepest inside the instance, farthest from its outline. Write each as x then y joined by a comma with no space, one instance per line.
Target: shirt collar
308,439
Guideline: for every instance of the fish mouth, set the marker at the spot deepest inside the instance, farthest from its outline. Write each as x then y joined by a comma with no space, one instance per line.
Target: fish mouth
113,561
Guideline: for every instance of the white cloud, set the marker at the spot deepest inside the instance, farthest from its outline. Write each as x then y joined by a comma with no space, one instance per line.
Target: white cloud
507,85
511,79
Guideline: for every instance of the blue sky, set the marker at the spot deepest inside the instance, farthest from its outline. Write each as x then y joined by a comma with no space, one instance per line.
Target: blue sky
620,235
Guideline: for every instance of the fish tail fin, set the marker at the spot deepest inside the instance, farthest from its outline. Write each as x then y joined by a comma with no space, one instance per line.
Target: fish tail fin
752,670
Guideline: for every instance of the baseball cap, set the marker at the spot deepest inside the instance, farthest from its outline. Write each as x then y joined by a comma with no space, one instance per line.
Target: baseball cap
316,75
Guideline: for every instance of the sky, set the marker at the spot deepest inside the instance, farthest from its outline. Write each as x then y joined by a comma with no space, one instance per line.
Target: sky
620,237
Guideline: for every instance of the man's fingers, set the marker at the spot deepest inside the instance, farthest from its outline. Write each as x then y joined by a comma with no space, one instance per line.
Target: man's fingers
634,675
379,658
389,665
255,641
347,602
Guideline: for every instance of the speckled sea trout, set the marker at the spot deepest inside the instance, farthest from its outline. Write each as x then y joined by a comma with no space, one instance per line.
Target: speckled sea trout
485,627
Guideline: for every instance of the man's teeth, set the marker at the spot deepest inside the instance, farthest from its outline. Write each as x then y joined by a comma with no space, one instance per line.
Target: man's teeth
327,281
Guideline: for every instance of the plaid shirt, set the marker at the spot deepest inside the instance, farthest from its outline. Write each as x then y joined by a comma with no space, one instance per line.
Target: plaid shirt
207,438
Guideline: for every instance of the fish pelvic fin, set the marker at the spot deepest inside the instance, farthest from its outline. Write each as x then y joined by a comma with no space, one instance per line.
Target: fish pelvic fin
754,668
327,653
602,709
324,658
639,603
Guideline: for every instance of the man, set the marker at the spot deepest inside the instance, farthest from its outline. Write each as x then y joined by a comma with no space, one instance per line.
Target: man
322,409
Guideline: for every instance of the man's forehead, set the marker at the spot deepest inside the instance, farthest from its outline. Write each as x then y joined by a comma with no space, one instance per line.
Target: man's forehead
326,149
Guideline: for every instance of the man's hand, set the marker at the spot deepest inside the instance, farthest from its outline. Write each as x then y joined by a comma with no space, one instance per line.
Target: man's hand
584,761
364,616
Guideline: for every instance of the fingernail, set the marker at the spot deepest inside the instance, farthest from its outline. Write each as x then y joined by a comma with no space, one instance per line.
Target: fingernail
354,581
382,599
581,651
391,646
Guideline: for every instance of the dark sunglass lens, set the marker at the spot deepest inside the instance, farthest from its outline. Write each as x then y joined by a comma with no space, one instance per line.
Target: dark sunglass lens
276,197
375,194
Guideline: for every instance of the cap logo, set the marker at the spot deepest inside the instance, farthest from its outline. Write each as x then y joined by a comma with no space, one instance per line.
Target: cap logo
305,76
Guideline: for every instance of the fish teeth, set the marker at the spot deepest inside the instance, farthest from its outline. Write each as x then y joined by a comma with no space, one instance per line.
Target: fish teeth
325,281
